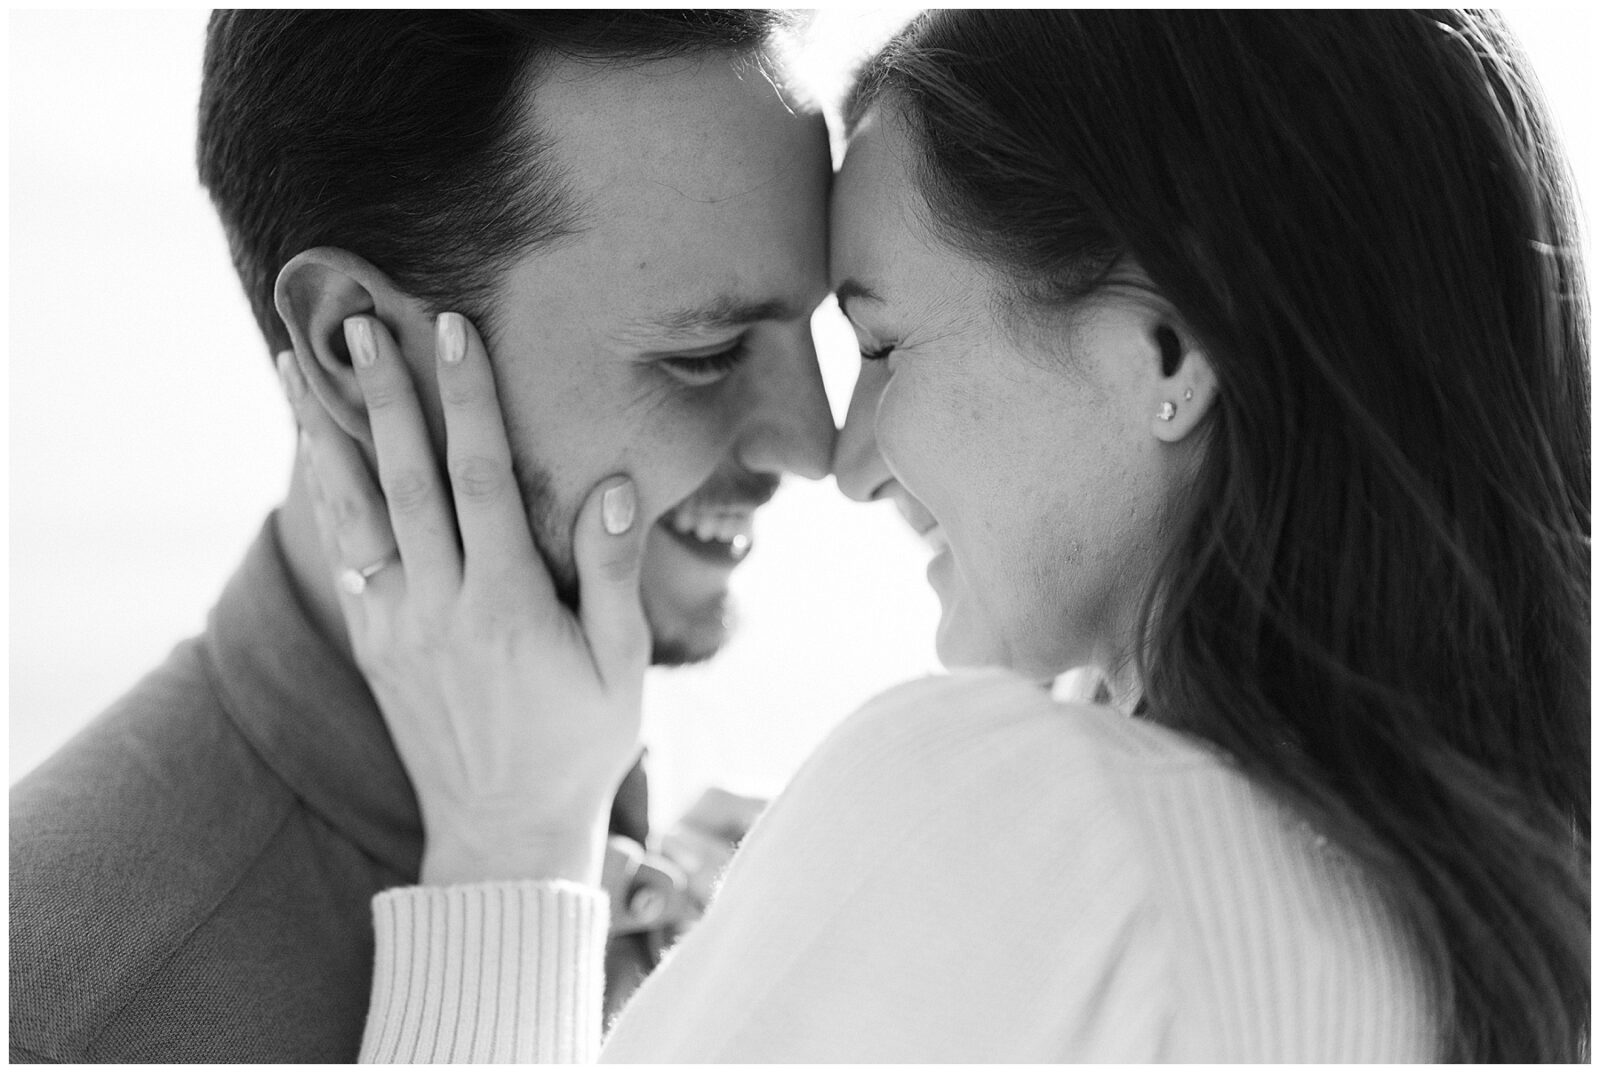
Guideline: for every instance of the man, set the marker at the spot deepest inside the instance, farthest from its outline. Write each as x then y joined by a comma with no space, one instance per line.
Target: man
632,214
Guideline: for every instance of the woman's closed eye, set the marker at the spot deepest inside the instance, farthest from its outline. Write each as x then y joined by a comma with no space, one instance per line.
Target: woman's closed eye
878,353
703,370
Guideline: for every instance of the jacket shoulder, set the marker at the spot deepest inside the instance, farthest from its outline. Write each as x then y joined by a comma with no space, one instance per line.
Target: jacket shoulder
122,843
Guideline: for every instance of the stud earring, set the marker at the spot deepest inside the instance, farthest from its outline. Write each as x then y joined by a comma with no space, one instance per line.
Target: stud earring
1168,411
1188,393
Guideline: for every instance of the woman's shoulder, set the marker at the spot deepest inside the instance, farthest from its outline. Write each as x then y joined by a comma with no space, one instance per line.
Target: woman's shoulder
980,789
967,718
945,879
968,869
981,768
1183,814
1098,851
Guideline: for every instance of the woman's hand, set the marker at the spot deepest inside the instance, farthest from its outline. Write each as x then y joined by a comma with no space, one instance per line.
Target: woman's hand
516,718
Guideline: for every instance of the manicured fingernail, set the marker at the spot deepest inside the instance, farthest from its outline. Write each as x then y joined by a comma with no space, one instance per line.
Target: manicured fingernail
358,335
452,338
617,506
294,385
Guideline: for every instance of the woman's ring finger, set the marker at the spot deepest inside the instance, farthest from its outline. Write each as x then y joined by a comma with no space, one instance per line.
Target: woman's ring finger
353,579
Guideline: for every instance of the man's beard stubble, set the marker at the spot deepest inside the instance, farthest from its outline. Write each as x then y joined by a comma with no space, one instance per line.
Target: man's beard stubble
539,506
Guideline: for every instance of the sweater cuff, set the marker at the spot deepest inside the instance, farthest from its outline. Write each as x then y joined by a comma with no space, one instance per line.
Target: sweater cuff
488,972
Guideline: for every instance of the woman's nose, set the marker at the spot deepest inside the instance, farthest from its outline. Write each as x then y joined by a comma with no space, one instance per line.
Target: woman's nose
857,466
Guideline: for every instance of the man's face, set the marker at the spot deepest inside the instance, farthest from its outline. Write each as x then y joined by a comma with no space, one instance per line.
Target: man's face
670,338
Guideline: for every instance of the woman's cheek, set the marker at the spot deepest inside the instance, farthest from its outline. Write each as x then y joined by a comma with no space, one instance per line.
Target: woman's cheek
903,427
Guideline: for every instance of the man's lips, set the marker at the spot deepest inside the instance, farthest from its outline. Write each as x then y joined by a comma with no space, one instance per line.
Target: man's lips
723,553
730,524
718,521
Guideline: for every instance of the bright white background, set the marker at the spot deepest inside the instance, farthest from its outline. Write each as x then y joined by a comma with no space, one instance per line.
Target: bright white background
148,436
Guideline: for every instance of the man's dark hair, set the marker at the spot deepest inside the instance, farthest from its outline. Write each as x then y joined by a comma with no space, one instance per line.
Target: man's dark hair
399,136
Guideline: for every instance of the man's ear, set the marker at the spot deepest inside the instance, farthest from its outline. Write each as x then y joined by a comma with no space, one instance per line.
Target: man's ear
315,293
1186,386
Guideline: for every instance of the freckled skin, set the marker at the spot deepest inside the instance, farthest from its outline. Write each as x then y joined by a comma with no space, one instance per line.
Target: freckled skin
1030,447
696,182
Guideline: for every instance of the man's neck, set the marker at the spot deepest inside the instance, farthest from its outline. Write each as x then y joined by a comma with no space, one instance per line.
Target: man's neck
310,570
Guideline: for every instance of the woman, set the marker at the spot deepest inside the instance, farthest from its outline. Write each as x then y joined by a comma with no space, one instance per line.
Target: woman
1240,356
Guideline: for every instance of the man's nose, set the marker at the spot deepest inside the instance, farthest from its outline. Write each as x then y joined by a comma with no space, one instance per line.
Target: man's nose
789,427
858,467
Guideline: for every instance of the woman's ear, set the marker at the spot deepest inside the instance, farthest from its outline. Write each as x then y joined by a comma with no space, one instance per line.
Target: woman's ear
1186,387
315,293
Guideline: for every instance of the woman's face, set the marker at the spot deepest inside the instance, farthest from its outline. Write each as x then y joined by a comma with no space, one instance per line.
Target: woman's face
1031,455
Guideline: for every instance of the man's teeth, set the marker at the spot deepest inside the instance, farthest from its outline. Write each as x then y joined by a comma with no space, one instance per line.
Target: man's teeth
735,529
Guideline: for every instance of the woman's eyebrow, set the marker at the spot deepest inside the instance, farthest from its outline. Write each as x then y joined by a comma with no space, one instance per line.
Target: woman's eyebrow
850,289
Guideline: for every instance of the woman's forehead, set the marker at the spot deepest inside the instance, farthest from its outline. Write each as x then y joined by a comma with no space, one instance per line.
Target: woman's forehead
875,217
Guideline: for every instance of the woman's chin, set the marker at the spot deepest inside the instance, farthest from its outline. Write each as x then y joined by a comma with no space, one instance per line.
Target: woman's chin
971,635
958,641
960,647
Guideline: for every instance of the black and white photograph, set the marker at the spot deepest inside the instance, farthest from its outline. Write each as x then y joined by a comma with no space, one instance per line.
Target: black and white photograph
872,535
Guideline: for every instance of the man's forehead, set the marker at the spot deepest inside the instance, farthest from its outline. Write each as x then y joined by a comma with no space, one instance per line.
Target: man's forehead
702,129
701,197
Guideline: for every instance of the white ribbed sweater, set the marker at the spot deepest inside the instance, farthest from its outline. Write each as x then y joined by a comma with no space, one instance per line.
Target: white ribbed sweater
966,870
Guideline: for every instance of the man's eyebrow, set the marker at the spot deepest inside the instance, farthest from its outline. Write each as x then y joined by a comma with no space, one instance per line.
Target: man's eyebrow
718,314
849,289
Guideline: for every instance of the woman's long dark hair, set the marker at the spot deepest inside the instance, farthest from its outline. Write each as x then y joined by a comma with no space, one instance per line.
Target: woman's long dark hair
1379,599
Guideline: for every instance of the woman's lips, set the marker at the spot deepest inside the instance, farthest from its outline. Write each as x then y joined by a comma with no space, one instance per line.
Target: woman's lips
921,522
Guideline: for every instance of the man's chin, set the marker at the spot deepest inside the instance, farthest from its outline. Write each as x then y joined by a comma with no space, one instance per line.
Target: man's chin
673,652
690,637
684,588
